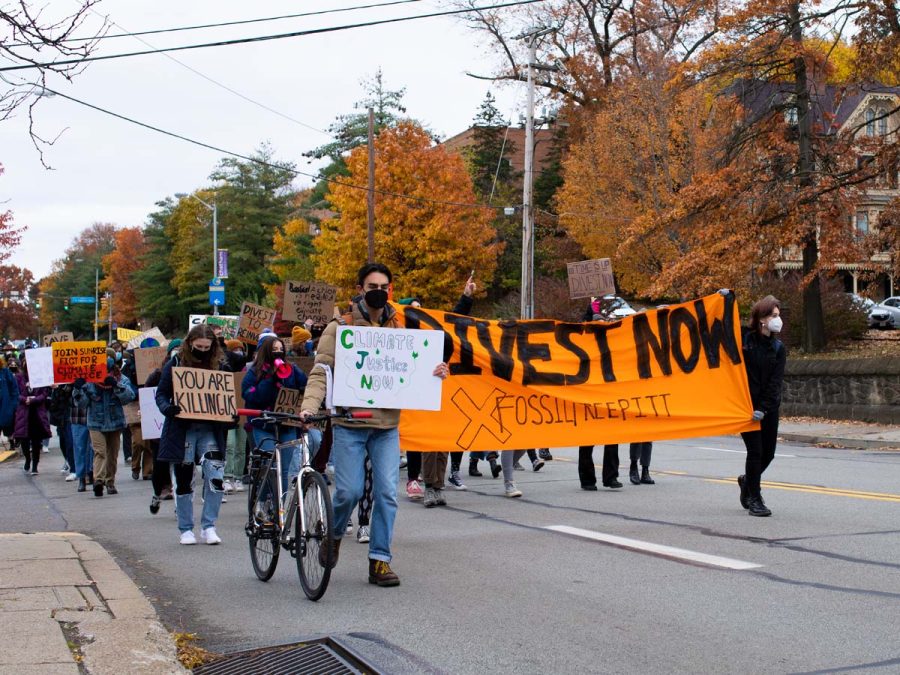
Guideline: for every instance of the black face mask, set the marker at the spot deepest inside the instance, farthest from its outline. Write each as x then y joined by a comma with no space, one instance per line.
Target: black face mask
376,298
201,355
278,355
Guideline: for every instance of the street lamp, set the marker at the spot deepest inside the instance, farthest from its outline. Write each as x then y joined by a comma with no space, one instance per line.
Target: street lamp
215,224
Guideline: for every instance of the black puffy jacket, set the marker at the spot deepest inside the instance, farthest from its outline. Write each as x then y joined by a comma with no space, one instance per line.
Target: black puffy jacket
764,359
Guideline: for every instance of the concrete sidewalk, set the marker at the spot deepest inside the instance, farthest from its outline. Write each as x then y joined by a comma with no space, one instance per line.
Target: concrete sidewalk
839,433
64,601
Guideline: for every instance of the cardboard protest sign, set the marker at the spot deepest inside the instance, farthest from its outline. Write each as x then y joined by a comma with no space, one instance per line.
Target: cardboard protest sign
146,360
132,413
591,278
254,320
149,338
312,300
387,368
304,363
228,322
289,401
204,394
675,372
64,336
40,367
151,418
72,360
126,334
238,388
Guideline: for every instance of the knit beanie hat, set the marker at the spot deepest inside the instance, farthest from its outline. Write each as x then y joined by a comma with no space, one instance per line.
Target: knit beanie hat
111,353
265,335
300,335
232,345
174,344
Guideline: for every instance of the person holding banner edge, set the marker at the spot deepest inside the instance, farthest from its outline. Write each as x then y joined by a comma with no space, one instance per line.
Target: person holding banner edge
764,358
377,436
187,443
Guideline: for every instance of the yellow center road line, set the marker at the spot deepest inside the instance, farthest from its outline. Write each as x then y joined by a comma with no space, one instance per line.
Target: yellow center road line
814,489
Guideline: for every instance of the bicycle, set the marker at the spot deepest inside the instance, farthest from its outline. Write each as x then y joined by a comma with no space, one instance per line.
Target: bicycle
272,514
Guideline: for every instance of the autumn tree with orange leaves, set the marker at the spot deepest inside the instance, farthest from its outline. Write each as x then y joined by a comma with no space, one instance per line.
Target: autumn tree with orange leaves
427,229
119,268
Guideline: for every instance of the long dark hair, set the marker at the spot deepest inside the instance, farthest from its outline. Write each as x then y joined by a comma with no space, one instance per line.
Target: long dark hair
263,354
199,332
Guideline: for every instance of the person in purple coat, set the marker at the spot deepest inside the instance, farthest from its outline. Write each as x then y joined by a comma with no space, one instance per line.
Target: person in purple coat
32,424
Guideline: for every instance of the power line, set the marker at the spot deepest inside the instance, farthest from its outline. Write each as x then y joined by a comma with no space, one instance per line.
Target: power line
266,38
223,24
255,160
226,87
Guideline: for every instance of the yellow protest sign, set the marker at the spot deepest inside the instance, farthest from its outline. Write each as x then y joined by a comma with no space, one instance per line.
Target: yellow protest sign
669,373
126,334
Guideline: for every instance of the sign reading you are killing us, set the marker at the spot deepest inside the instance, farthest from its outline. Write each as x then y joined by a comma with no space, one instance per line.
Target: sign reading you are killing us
675,372
313,300
204,394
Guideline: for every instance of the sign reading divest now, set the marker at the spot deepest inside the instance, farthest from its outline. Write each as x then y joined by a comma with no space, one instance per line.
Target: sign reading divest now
254,320
72,360
204,394
387,368
670,373
289,401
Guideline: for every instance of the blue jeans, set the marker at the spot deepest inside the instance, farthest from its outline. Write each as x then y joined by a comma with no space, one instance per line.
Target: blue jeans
82,449
349,452
266,439
64,432
200,448
314,438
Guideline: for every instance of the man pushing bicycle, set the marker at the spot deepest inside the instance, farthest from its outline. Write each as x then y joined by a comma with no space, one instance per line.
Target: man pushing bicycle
376,436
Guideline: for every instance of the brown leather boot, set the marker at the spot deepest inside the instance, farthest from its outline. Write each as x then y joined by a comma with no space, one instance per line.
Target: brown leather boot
381,573
323,553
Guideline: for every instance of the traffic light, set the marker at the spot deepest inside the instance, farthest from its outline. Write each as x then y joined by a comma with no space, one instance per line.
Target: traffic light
66,305
37,303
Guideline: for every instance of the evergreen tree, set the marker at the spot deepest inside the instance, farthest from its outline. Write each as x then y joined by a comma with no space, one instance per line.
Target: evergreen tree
490,152
157,299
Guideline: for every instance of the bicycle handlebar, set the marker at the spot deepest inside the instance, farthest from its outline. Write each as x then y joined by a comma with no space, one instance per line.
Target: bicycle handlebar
275,416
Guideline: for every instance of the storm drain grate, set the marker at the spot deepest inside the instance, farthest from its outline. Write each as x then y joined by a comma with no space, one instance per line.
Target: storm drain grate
325,657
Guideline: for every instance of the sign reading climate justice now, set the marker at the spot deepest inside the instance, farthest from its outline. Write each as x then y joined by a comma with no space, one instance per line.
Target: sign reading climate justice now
387,368
669,373
204,394
72,360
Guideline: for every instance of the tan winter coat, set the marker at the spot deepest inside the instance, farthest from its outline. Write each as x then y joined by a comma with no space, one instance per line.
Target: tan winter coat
316,385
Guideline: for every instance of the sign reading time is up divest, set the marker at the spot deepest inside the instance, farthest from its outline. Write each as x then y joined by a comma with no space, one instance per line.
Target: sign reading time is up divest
591,278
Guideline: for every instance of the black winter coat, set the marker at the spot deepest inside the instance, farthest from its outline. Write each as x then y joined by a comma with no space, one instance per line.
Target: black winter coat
764,359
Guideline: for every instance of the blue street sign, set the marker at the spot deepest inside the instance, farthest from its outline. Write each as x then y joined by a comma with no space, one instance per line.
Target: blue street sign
82,299
217,292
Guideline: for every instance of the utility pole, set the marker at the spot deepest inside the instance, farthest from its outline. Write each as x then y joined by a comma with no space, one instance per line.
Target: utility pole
215,214
96,300
527,302
110,322
370,196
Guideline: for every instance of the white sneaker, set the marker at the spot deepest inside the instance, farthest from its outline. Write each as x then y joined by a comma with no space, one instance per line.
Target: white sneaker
238,485
71,477
188,538
209,536
64,468
227,487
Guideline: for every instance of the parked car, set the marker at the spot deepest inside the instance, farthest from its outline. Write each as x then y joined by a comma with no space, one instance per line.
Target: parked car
886,314
861,302
613,308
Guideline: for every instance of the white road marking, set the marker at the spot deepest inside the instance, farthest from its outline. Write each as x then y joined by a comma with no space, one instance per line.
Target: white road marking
738,452
659,549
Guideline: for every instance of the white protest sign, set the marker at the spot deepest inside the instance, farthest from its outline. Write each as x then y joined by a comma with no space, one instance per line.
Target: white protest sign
151,418
387,368
149,338
40,367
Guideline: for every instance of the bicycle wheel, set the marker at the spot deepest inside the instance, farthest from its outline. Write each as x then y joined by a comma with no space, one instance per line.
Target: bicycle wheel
318,516
263,537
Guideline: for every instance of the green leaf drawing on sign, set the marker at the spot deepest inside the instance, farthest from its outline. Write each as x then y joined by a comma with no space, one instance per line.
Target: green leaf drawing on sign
415,355
426,342
370,402
401,380
377,352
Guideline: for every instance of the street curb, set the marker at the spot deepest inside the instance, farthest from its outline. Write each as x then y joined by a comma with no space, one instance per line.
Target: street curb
852,443
7,454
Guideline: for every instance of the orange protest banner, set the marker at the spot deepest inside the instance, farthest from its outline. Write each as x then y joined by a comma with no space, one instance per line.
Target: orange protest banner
668,373
72,360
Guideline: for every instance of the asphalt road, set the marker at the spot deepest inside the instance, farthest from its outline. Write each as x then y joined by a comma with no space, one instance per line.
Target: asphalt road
487,587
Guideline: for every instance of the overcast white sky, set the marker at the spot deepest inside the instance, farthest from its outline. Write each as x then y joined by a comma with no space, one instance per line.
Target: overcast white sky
110,171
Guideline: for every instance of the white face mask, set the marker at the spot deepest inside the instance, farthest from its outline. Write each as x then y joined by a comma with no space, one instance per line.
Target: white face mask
775,324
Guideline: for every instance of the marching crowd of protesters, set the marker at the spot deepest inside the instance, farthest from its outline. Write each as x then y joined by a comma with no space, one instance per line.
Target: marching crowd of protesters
364,459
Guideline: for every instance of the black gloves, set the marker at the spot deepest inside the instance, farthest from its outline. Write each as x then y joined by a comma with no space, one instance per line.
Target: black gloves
172,410
110,381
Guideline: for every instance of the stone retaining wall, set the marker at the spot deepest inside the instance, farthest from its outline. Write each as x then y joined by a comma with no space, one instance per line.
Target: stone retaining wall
867,390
